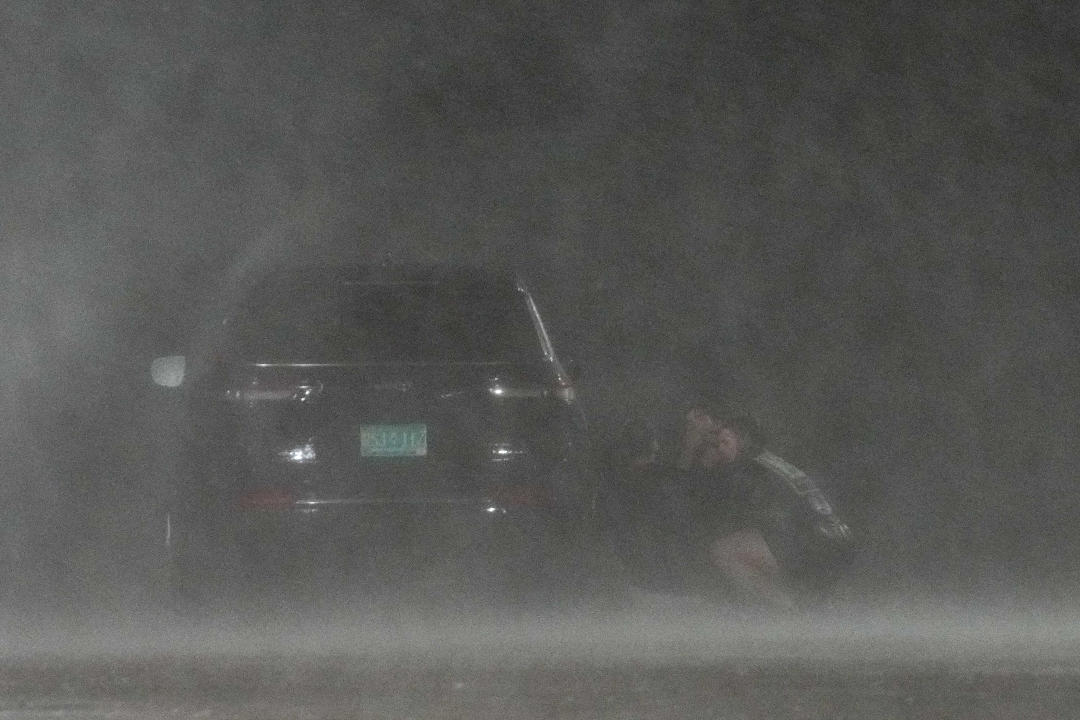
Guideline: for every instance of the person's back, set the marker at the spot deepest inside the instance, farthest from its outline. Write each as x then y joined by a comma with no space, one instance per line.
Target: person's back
813,544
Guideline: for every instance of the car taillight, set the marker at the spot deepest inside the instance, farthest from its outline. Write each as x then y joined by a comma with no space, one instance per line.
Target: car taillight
271,498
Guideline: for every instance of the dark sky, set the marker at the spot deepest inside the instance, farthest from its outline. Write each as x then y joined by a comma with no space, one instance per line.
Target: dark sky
859,220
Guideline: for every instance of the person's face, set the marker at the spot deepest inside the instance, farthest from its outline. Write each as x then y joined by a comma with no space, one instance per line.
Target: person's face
720,446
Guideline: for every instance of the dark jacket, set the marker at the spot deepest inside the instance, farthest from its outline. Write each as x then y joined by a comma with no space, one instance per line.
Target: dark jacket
813,544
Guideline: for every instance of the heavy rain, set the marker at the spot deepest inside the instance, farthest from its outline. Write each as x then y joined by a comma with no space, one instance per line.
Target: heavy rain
855,222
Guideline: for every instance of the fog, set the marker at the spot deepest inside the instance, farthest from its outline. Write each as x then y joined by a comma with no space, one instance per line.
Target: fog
655,631
858,222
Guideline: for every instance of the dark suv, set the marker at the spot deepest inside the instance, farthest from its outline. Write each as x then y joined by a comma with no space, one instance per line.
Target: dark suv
378,421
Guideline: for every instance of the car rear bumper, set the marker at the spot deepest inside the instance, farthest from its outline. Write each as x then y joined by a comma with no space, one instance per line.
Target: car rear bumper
390,539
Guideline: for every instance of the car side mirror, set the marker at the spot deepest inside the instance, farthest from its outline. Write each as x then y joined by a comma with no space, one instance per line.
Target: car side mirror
168,371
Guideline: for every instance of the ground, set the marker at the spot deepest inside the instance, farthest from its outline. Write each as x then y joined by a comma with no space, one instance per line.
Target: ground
340,687
654,660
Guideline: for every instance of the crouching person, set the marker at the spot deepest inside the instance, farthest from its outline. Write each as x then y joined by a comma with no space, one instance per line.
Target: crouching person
768,529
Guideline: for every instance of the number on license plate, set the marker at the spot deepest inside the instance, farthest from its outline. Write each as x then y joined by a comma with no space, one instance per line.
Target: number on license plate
393,440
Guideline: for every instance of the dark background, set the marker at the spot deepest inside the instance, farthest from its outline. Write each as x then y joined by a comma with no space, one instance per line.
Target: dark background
859,221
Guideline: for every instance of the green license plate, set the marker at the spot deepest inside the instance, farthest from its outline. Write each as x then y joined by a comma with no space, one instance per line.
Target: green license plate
393,440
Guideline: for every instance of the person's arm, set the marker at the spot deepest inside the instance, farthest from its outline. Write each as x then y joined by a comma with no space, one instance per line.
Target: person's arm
825,521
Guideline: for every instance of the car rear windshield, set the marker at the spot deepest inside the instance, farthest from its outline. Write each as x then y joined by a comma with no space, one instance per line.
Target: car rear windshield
407,322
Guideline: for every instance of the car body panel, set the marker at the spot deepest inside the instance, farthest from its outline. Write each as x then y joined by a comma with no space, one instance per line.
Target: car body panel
367,412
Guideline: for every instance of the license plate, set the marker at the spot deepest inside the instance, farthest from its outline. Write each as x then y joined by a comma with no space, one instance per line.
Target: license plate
393,440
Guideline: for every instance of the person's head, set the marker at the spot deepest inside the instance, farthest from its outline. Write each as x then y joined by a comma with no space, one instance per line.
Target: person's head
717,438
747,429
725,447
718,445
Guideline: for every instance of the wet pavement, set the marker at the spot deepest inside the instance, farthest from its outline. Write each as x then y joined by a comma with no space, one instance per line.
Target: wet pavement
652,662
311,687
